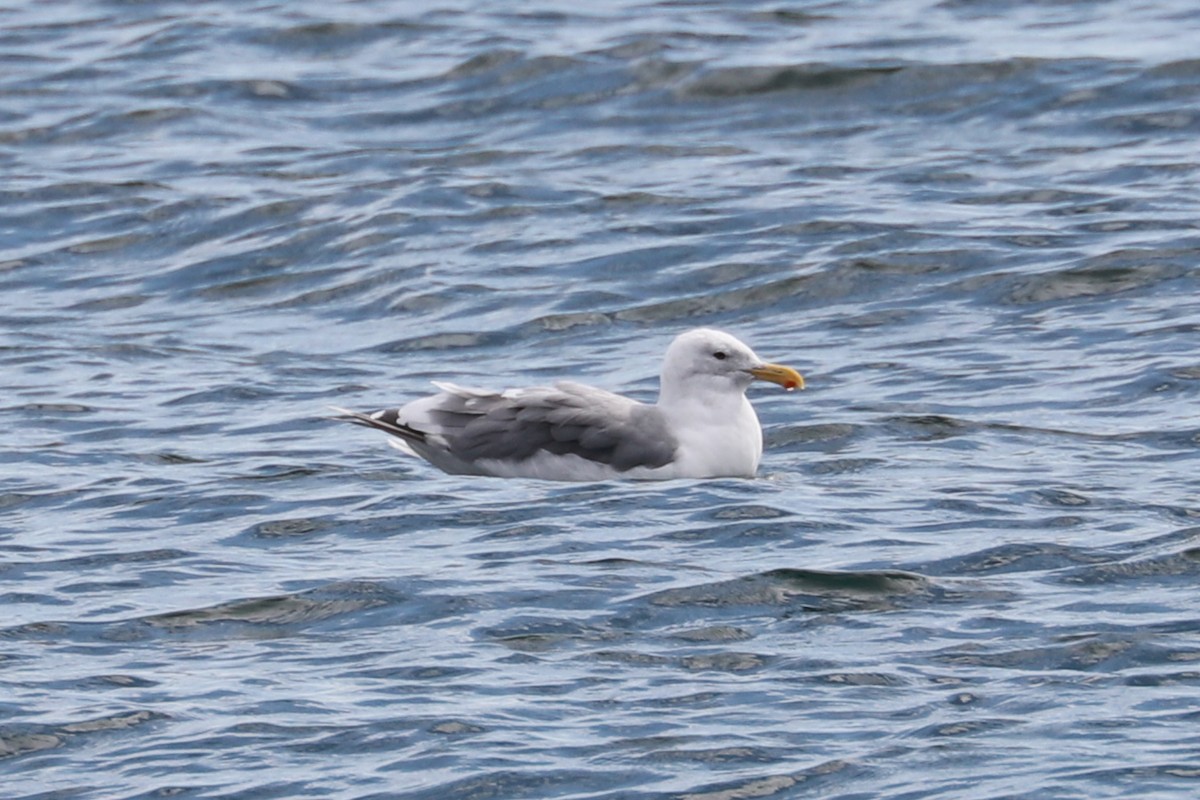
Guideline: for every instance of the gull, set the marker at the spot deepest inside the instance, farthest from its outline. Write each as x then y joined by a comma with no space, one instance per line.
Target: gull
702,426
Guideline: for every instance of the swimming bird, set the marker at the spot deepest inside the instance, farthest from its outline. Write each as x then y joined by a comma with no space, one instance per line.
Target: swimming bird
701,427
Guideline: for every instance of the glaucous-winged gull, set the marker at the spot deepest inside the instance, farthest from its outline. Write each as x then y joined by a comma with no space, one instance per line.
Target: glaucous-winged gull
701,427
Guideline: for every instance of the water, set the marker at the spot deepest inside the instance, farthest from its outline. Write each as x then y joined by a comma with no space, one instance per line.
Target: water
967,568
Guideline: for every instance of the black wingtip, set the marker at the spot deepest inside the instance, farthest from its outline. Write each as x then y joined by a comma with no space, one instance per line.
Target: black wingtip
387,420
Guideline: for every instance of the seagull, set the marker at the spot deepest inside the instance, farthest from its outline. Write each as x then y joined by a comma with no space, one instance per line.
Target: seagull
701,427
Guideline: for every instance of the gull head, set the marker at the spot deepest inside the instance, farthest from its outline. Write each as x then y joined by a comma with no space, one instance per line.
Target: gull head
704,360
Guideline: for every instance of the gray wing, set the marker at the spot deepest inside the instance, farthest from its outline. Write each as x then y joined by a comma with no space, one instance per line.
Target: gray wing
566,419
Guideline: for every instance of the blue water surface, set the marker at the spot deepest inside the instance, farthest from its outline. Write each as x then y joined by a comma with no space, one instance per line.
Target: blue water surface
968,566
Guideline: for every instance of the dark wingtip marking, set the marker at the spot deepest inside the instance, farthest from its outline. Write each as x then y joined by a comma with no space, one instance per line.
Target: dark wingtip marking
386,420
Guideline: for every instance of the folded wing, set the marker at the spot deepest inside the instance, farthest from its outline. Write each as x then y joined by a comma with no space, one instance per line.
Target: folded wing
472,431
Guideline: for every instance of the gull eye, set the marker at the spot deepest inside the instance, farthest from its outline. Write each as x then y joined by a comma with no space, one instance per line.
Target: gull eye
720,355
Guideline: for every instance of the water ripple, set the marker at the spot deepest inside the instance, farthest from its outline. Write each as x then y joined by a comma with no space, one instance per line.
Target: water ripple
967,564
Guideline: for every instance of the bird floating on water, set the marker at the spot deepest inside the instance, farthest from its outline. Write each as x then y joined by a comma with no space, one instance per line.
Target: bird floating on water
701,427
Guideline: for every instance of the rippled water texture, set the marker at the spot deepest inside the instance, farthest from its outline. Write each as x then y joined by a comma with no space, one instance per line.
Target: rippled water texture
967,569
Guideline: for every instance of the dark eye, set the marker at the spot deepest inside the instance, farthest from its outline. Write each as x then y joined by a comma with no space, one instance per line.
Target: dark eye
720,355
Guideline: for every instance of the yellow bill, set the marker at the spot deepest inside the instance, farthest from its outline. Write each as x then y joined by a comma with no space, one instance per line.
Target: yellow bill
786,377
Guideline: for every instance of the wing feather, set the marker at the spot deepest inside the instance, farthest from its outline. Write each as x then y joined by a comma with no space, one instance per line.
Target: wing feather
461,427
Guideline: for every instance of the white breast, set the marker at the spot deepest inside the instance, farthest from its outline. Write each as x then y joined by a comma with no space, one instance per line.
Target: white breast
713,444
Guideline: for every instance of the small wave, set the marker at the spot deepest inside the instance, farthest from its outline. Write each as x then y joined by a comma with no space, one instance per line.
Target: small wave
805,589
740,81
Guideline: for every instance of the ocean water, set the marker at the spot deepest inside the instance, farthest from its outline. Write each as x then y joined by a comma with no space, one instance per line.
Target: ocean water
967,569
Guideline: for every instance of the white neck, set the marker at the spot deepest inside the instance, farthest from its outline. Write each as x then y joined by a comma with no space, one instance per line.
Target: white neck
718,433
